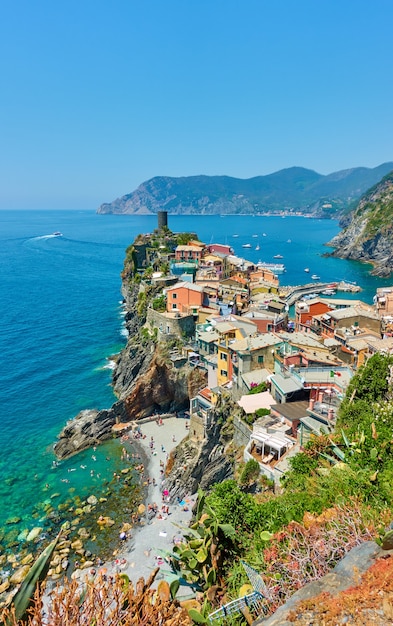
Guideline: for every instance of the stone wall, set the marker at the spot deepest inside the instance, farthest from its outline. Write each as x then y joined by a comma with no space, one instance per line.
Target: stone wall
166,325
242,433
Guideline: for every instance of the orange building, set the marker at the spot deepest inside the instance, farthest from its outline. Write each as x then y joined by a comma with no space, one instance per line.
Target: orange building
185,298
305,311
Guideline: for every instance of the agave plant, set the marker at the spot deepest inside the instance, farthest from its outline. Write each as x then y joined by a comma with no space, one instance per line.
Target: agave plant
25,594
197,561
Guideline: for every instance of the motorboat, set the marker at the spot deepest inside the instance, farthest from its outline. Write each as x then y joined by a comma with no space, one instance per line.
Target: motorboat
277,268
315,277
246,245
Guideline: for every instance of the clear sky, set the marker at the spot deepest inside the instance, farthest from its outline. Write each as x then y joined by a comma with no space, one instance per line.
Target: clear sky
98,96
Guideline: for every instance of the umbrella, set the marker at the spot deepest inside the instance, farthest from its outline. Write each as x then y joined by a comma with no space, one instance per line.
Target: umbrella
165,492
141,509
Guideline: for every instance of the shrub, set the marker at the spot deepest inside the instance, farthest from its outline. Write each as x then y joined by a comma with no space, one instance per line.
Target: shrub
250,472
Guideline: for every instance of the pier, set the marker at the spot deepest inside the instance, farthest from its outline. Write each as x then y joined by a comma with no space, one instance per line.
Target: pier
295,293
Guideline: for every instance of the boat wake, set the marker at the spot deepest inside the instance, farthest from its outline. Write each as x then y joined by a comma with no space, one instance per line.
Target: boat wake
51,236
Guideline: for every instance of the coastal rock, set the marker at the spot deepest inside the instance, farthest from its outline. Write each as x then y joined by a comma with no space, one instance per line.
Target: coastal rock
20,574
85,430
368,231
29,558
34,533
4,586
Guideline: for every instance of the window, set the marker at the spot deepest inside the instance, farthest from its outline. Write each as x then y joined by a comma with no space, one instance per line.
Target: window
174,306
223,373
260,359
174,296
223,356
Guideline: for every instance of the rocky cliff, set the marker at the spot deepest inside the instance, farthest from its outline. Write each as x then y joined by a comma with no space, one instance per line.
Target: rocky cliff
201,464
368,232
144,379
294,188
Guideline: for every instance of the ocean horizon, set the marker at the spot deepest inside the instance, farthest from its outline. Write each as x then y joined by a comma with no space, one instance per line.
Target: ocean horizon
62,320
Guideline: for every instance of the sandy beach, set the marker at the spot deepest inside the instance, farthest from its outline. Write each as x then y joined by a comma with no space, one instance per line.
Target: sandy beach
139,554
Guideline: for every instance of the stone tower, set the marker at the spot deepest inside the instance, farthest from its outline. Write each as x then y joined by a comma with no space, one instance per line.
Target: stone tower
162,219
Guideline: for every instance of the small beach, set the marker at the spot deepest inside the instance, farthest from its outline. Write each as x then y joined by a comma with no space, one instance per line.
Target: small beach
139,554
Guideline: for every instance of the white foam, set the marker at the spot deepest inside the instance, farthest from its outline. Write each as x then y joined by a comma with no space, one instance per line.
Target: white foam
43,237
110,365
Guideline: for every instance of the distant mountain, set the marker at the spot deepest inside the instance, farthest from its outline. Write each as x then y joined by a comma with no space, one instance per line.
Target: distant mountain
368,232
293,189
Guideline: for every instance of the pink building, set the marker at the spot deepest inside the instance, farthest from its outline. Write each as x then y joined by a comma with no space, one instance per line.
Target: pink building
188,253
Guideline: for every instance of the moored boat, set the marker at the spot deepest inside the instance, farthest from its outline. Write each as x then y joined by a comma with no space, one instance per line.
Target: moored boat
277,268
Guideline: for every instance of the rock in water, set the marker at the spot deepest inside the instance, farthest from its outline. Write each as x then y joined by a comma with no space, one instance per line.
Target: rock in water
85,430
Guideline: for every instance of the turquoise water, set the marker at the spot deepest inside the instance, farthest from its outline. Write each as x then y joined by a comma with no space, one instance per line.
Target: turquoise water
61,320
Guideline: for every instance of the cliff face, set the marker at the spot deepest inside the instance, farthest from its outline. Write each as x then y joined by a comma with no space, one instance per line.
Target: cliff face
144,380
368,235
195,465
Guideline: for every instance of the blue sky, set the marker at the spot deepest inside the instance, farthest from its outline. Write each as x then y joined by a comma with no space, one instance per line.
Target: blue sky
99,96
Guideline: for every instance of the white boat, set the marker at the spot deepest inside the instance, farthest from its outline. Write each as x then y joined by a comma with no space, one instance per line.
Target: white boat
315,277
329,292
307,269
264,235
235,235
255,235
246,245
277,268
57,233
257,247
289,240
278,256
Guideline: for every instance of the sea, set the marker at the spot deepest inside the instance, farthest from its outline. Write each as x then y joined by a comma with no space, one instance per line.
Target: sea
62,320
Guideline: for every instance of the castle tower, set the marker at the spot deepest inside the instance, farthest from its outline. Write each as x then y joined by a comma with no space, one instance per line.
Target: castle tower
162,219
